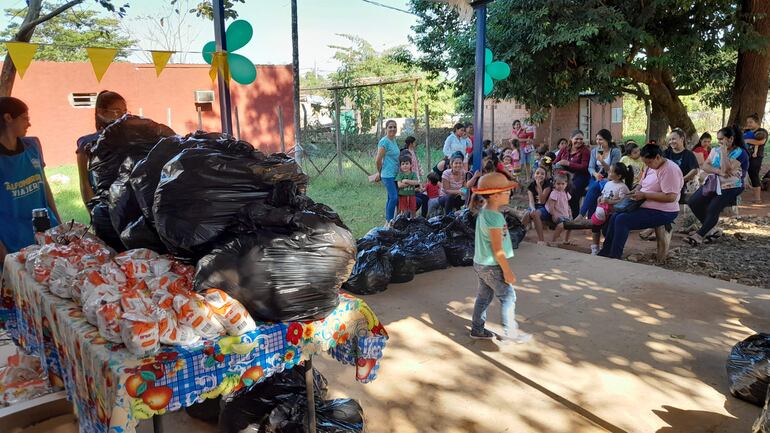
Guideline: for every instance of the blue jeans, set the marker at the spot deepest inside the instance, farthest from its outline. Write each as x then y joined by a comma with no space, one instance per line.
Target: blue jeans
707,209
592,197
392,203
622,223
491,283
422,204
578,190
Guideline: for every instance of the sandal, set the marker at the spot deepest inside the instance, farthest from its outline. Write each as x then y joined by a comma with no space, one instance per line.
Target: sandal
713,236
694,240
647,235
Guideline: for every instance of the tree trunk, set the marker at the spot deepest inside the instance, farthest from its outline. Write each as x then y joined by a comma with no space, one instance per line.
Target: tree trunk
658,124
667,105
751,71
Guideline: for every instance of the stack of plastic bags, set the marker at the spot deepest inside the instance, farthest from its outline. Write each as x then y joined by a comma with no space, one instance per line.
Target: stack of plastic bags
21,379
138,298
415,246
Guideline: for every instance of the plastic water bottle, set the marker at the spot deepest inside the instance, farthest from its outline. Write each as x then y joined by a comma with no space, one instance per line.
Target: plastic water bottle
40,223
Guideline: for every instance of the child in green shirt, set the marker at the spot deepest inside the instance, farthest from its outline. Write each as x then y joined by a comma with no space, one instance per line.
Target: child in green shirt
407,183
493,248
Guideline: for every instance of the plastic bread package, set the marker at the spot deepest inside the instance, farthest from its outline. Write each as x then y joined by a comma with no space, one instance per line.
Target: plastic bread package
173,333
108,317
193,311
231,313
139,333
95,299
62,277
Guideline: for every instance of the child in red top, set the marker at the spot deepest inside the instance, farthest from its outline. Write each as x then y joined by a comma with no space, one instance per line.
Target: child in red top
433,190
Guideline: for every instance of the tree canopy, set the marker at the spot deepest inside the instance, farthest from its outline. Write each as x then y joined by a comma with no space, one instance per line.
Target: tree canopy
657,50
72,28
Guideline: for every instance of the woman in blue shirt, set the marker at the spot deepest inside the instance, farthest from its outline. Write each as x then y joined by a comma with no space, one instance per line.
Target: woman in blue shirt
24,186
387,167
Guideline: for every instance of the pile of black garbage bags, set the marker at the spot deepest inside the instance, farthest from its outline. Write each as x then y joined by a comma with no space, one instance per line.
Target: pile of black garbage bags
279,405
240,215
748,374
416,245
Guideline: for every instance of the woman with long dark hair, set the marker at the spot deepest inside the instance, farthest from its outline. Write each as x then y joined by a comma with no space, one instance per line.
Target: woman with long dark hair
575,159
727,168
21,173
605,155
388,167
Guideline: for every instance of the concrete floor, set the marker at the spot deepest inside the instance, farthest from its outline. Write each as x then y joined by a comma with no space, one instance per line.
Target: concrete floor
618,347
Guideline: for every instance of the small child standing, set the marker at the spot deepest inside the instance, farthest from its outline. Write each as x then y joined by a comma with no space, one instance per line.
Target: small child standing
621,178
538,192
406,180
558,207
493,248
433,190
516,159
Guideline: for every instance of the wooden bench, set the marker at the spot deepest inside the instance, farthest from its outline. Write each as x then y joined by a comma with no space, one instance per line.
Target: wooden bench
662,237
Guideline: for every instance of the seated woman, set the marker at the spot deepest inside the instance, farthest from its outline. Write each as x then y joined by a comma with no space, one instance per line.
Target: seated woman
538,192
659,190
727,167
452,185
605,155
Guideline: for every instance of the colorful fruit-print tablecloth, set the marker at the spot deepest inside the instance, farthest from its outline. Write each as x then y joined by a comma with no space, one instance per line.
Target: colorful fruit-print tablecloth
113,390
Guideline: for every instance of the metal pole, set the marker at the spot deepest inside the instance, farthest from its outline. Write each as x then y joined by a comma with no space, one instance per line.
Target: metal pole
414,106
379,118
337,131
237,124
168,117
492,106
295,72
478,100
200,119
280,128
427,138
310,390
222,84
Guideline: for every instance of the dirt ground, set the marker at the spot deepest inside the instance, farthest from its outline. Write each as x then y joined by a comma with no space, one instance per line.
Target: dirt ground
741,255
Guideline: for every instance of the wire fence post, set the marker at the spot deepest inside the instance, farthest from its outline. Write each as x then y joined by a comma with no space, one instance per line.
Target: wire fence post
280,128
427,138
379,118
337,131
414,105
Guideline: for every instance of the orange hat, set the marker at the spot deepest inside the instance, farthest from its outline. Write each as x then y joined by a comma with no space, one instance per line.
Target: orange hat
494,183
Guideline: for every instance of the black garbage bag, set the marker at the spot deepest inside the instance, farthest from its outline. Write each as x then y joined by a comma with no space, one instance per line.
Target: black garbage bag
129,136
202,190
762,424
141,234
207,411
250,407
282,277
515,228
403,269
372,272
146,173
100,221
380,236
121,199
342,415
748,369
438,223
416,225
425,253
460,251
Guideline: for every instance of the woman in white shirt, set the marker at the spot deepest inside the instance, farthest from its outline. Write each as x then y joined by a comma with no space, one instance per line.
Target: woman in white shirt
455,142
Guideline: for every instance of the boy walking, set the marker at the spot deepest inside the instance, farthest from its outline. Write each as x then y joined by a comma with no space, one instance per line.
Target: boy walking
493,249
407,183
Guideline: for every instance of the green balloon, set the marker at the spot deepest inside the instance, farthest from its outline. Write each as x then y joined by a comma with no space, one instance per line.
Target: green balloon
207,51
498,70
241,68
488,84
238,34
487,56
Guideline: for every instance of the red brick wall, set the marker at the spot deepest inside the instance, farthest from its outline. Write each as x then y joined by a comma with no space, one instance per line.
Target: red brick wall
565,120
47,85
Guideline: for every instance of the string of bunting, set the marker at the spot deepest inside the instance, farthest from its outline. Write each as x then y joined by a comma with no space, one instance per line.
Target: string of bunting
22,53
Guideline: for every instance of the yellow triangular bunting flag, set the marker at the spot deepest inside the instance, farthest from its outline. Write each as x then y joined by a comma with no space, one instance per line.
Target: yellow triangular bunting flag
21,54
219,65
160,59
101,59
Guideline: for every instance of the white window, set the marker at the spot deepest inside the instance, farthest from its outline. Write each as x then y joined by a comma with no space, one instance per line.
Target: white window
617,115
204,96
82,100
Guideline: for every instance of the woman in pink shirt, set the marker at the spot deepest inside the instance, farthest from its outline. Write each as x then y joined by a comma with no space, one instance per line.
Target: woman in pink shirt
659,190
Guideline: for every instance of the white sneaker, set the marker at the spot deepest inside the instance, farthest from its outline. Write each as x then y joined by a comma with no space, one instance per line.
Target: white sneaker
594,249
516,336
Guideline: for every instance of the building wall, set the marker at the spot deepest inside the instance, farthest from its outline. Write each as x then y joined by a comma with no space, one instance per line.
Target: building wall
47,85
565,120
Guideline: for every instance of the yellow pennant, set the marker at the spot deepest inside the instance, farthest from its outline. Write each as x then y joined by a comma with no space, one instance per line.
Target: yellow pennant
219,66
160,59
101,59
21,55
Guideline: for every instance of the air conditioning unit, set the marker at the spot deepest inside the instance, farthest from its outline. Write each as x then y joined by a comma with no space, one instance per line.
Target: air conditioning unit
204,96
